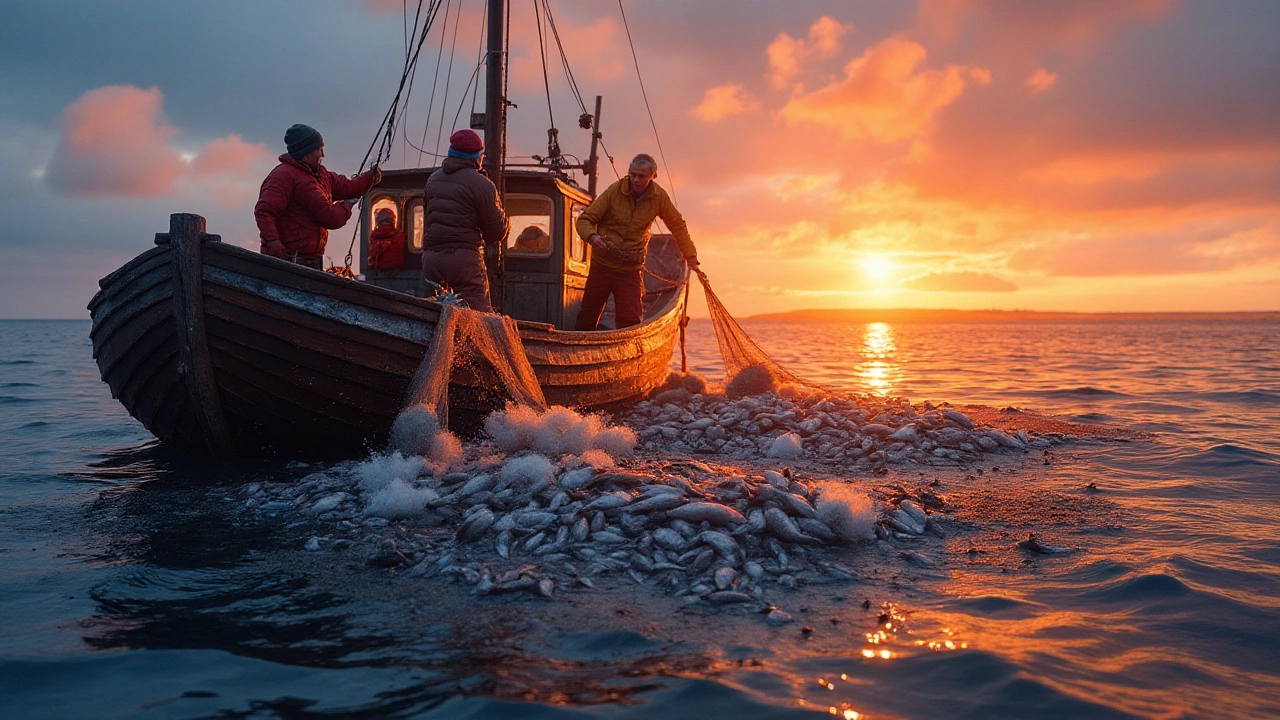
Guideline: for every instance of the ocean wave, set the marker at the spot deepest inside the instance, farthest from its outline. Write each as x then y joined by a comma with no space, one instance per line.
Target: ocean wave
978,683
1248,398
19,384
1215,460
1095,418
1139,590
16,400
999,606
17,362
1085,391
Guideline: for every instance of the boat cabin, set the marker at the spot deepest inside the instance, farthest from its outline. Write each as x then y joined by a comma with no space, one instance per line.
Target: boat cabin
546,262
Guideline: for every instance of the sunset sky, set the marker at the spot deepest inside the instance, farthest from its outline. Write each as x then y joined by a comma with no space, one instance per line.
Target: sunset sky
1099,155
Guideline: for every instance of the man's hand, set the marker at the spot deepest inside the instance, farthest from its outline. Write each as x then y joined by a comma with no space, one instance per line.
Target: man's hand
692,262
377,174
598,241
351,202
275,249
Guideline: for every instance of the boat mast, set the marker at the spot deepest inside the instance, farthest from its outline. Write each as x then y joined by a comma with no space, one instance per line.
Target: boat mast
495,133
495,116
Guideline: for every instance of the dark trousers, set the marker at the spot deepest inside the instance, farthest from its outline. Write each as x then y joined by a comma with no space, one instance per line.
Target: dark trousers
627,288
462,271
314,262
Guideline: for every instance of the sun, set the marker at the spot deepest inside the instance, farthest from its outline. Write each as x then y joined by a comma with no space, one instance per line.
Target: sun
877,268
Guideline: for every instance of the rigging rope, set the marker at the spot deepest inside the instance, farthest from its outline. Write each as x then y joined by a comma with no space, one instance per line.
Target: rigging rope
542,51
645,95
389,119
448,75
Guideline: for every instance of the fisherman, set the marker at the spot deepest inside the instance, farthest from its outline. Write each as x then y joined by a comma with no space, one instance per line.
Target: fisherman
386,242
617,225
463,214
301,201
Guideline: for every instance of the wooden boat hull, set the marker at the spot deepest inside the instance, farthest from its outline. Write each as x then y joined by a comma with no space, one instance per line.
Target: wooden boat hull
220,350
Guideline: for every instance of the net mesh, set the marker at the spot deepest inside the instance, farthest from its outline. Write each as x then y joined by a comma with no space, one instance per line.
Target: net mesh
748,370
482,349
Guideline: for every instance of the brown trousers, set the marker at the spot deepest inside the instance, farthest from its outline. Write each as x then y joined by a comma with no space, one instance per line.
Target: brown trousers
462,271
627,288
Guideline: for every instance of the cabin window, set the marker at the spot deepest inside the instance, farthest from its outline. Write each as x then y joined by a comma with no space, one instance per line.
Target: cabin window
577,247
530,217
380,203
416,215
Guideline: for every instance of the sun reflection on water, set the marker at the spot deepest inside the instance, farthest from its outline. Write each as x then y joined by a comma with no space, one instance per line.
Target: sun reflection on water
879,370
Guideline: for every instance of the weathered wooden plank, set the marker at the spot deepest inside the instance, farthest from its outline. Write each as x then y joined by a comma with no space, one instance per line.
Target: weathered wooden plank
378,321
306,381
604,372
258,428
111,349
112,316
185,231
175,413
155,351
295,410
271,347
164,389
126,284
142,259
303,402
273,271
310,335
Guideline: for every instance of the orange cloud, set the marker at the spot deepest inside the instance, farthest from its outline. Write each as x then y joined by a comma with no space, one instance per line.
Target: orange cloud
597,52
885,94
967,281
1040,81
787,54
724,101
115,141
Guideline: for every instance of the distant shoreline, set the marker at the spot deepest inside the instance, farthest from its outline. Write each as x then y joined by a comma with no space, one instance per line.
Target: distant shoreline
906,315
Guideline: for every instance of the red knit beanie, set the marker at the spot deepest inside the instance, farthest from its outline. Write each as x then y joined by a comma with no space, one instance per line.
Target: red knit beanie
466,141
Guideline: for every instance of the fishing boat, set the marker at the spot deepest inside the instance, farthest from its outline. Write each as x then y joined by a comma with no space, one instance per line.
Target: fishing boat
223,351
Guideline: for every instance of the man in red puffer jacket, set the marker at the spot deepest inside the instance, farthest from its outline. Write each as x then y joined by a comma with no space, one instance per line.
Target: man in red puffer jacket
301,201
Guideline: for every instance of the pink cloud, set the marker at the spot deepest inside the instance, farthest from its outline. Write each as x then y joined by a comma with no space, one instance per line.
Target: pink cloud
885,95
1040,81
724,101
787,54
230,156
115,141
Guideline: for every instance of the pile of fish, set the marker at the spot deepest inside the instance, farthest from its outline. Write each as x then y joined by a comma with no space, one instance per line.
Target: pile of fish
863,432
537,521
684,528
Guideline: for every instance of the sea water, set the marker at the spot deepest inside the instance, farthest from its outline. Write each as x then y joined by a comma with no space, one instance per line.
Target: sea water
129,587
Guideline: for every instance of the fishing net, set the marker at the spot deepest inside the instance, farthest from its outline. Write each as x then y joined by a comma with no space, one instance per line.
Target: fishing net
748,370
481,354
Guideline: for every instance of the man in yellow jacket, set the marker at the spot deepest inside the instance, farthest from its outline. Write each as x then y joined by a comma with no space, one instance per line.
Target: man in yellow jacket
617,227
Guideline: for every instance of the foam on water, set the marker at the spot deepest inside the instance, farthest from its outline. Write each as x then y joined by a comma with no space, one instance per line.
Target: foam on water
382,469
399,499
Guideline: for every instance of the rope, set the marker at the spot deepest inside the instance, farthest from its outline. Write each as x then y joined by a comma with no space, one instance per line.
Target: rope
542,51
448,76
435,83
389,119
645,95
